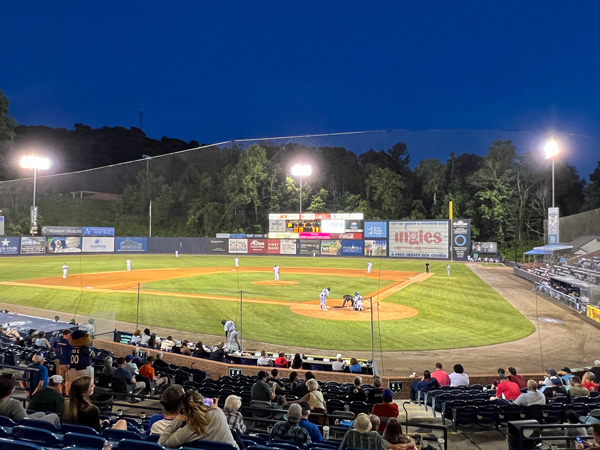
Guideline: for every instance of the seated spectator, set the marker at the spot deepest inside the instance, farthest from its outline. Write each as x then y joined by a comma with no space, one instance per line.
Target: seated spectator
427,383
151,341
13,408
218,353
145,338
79,410
458,377
375,421
516,378
294,384
576,389
264,360
588,382
440,375
596,443
37,378
297,361
361,435
123,379
11,333
281,361
42,342
131,366
30,338
135,357
394,439
185,349
231,409
313,430
565,374
275,382
201,422
314,397
338,365
166,345
356,392
290,430
573,419
556,388
199,351
375,395
532,396
549,374
136,339
170,400
354,366
261,390
506,390
107,366
148,372
386,409
49,399
496,381
159,362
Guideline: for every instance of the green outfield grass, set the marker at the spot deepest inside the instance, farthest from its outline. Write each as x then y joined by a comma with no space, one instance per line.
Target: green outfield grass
455,311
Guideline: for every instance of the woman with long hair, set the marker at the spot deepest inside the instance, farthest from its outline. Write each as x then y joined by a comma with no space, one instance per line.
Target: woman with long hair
203,420
393,437
79,410
297,362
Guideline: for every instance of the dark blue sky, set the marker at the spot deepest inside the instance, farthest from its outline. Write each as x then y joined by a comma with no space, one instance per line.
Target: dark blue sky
214,71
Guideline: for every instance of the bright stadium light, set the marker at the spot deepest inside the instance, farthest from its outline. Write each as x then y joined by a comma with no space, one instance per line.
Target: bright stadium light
34,163
301,170
551,150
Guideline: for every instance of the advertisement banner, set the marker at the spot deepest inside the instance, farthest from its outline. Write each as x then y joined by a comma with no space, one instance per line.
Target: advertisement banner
219,245
9,245
277,226
1,225
257,246
376,230
273,246
593,313
288,247
310,248
461,239
33,244
333,226
331,248
50,230
553,226
283,235
98,244
485,247
420,239
314,236
375,248
349,236
98,231
223,235
71,244
131,244
353,247
238,245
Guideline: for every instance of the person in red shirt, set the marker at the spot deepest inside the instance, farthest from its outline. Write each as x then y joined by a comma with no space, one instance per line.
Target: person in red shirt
386,409
148,371
442,377
588,382
507,390
516,378
281,361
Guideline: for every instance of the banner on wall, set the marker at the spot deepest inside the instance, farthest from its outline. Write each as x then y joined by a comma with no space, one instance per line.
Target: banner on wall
461,239
257,246
375,248
70,244
131,244
273,246
219,245
310,248
420,239
98,244
51,230
331,248
33,245
593,313
9,245
376,230
238,245
553,226
98,231
288,246
352,248
485,247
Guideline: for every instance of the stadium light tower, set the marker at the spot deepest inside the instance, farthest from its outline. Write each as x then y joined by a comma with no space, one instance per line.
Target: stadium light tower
551,150
301,170
34,163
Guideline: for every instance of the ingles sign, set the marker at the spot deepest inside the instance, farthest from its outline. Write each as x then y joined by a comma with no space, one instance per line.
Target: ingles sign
428,239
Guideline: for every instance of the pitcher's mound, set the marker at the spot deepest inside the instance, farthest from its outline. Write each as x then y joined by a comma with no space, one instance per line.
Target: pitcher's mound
387,311
275,283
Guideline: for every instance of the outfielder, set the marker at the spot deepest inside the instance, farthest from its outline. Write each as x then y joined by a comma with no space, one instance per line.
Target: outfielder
448,269
369,267
65,270
323,297
237,262
128,262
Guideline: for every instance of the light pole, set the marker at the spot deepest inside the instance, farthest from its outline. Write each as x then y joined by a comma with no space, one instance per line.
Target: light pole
301,170
36,163
551,150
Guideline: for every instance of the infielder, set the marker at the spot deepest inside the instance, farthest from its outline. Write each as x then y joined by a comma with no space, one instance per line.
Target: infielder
448,269
65,270
369,266
233,342
237,262
358,303
276,272
323,297
128,262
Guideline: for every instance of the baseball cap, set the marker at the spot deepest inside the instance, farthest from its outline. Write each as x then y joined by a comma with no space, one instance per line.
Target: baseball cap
128,358
305,406
566,369
57,379
338,356
555,380
551,372
388,394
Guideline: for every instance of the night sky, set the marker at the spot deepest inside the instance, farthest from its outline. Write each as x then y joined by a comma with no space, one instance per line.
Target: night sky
216,71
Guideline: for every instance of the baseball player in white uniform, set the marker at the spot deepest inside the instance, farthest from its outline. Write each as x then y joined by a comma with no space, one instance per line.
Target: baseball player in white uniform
128,262
323,297
233,344
448,269
237,262
358,303
276,272
176,253
369,266
65,270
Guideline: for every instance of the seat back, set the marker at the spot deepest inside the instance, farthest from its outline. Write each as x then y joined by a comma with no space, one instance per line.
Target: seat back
36,435
83,440
132,444
9,444
116,435
6,422
38,424
80,429
209,445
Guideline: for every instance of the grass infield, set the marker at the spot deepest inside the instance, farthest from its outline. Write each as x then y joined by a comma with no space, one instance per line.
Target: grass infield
454,311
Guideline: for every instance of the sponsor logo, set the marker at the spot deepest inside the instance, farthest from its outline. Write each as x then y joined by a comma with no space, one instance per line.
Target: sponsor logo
418,237
255,243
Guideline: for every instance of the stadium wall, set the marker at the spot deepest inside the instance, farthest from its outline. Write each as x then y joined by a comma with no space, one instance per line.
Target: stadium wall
578,225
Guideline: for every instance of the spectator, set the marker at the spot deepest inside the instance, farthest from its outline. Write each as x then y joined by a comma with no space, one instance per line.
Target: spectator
375,421
264,360
11,333
49,399
152,340
199,351
201,422
218,354
362,436
394,439
427,383
122,380
313,430
354,367
13,408
81,356
275,382
185,349
556,388
375,395
89,327
338,365
356,392
565,374
459,377
107,366
573,419
231,409
314,397
290,430
596,446
295,385
145,338
166,345
386,409
496,381
516,378
549,374
147,371
261,390
30,338
160,363
297,361
281,361
42,342
532,396
62,347
507,390
129,365
136,339
79,409
588,382
170,401
135,358
440,375
576,389
37,378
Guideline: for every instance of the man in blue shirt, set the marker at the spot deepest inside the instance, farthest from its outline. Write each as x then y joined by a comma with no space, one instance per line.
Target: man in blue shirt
38,377
123,379
313,430
63,347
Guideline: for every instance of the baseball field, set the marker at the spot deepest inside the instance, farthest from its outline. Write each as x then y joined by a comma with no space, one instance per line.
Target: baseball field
411,310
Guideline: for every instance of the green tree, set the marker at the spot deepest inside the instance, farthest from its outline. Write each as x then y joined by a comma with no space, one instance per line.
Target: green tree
384,193
432,174
592,190
7,137
319,202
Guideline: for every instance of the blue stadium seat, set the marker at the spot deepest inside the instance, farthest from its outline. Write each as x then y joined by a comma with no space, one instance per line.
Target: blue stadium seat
209,445
6,422
81,429
130,444
83,440
5,432
36,436
39,424
255,439
116,435
256,447
152,438
283,445
7,444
